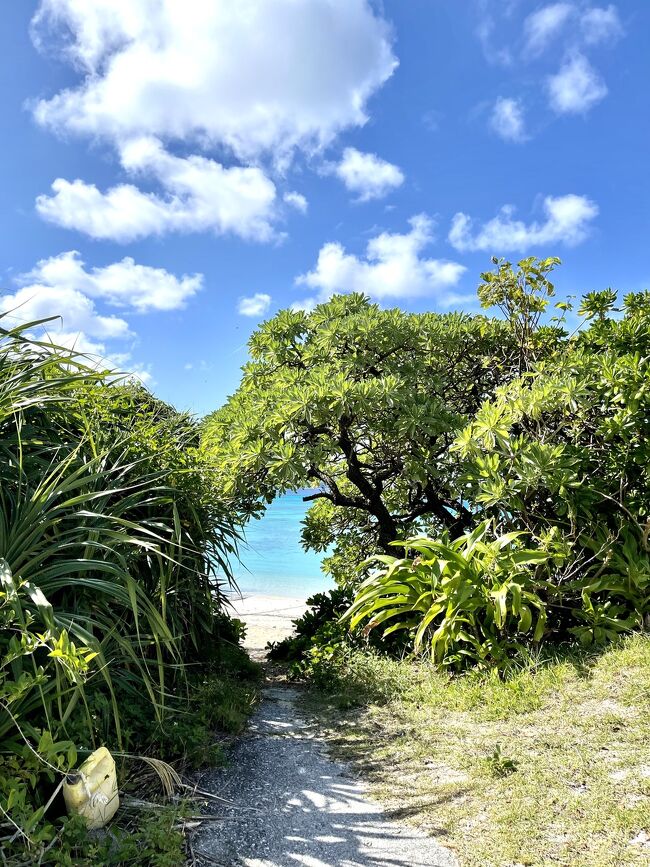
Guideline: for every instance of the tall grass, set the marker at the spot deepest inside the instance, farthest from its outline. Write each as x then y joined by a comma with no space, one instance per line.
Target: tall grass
110,532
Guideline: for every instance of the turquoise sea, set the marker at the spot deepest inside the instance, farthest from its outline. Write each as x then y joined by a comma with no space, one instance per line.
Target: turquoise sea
273,561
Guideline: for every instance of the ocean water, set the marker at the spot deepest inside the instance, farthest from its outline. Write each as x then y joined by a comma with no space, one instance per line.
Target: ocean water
273,561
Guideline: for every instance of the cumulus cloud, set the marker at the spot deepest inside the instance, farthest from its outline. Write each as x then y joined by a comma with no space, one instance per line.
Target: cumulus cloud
122,284
156,71
199,195
77,312
297,201
601,24
393,267
507,120
123,213
568,221
543,25
256,305
367,175
62,289
576,88
182,71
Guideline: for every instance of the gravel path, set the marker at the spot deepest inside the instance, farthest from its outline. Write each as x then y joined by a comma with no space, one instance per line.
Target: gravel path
296,806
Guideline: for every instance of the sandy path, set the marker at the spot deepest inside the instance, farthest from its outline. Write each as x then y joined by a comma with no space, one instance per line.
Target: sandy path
294,805
267,618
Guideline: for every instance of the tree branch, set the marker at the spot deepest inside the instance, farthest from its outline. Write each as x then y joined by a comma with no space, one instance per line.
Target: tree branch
321,495
335,494
372,492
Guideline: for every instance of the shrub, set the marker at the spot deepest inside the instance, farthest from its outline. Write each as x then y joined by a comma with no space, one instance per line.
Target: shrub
469,600
560,455
317,626
321,637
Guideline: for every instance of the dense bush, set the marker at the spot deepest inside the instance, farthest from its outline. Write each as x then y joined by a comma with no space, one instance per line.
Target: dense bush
111,535
320,624
467,600
321,634
560,455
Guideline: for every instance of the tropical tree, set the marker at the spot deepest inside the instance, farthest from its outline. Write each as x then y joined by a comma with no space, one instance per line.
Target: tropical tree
563,453
559,457
362,405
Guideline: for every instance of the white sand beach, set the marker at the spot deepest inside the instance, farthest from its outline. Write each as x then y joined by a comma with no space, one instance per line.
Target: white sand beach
267,618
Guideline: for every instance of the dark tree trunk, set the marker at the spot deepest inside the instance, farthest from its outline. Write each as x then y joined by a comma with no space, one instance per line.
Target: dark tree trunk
370,485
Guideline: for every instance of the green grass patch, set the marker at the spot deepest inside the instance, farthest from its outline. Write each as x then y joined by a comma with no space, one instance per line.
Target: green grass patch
549,766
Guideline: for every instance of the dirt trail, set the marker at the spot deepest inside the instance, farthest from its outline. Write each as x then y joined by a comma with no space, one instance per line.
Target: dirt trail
294,805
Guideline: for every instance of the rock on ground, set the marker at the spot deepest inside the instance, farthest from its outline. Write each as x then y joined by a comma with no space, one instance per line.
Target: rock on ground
293,805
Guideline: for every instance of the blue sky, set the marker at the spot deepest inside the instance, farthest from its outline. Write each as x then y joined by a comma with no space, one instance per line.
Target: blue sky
175,172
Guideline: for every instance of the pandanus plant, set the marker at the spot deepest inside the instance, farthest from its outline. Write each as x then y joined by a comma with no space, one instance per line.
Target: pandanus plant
107,541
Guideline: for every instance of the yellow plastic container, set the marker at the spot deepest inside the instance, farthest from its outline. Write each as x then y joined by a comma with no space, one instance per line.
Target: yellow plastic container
91,790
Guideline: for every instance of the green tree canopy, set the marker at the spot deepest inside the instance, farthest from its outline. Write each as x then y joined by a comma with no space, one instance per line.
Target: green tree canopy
361,404
567,446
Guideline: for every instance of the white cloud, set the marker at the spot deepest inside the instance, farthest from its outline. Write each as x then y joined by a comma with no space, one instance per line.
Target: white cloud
540,27
568,220
183,71
77,311
62,289
367,175
76,341
576,88
256,305
200,195
601,24
507,120
297,201
393,266
487,31
306,305
123,284
122,214
157,74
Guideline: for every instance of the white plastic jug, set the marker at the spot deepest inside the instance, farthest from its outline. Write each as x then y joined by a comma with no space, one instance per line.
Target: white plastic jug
91,790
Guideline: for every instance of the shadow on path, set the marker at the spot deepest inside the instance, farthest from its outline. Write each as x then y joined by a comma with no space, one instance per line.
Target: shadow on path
296,806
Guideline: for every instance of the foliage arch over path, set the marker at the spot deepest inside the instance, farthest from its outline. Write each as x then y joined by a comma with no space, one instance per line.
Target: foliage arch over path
362,404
